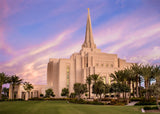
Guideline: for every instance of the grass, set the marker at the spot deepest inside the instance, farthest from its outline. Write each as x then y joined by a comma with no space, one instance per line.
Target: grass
61,107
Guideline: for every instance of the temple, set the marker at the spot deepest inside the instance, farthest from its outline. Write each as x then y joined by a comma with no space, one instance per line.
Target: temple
64,73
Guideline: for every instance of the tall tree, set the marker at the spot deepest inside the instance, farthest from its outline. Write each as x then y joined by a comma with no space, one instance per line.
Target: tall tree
120,77
80,89
156,73
115,88
89,82
155,91
107,88
128,73
28,87
147,75
99,88
95,77
137,71
14,81
3,80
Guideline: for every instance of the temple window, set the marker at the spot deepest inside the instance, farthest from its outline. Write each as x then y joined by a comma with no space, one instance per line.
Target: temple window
97,64
111,65
68,72
106,65
102,65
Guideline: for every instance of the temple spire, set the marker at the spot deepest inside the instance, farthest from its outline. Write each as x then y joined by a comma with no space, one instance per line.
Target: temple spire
89,42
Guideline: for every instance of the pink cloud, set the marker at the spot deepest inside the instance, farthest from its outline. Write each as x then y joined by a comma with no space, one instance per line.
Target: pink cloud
3,45
147,56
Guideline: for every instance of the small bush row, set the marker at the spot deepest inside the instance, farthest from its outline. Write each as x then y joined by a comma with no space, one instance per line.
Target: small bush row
146,103
12,100
51,99
97,102
81,101
142,99
150,108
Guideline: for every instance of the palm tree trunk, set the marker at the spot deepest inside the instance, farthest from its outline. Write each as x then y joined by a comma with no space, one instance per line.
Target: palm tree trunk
12,92
137,92
28,94
100,97
129,83
146,87
139,86
89,91
133,88
123,95
0,92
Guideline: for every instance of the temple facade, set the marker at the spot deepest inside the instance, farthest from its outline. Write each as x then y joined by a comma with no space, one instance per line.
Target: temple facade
64,73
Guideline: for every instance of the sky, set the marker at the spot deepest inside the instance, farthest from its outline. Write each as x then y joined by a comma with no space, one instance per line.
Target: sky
32,31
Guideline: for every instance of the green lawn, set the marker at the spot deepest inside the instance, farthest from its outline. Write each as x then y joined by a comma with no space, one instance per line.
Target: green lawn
61,107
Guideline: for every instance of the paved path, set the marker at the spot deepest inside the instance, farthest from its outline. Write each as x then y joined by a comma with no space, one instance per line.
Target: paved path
132,103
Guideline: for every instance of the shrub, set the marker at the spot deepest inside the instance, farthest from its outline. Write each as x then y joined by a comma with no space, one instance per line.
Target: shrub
72,95
96,102
106,99
12,100
41,95
81,101
136,99
145,103
150,108
50,99
36,99
120,103
113,101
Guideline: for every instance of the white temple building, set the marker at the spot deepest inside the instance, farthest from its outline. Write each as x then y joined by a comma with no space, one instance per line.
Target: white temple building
64,73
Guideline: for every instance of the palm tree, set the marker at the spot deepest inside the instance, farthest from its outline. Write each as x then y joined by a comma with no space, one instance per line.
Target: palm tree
80,89
28,87
14,80
137,71
155,91
107,89
115,88
95,77
122,77
128,73
99,88
3,80
89,82
147,72
115,77
156,73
